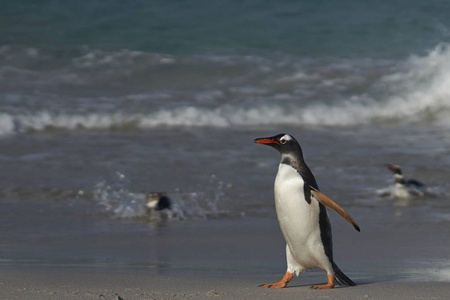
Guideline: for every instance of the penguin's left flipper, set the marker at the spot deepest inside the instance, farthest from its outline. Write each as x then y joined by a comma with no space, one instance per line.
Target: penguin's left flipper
325,200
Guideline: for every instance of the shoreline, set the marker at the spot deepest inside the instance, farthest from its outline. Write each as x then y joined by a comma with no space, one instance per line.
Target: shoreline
224,259
25,282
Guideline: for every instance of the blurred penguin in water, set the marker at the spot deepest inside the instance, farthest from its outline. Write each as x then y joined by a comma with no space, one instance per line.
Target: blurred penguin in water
404,188
158,201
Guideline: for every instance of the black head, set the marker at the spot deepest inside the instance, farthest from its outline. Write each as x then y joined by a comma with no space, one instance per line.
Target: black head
284,143
291,154
395,169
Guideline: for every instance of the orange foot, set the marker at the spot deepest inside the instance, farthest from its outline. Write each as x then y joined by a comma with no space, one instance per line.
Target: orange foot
280,284
329,285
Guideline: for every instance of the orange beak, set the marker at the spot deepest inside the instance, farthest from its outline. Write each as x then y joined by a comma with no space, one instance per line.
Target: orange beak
265,141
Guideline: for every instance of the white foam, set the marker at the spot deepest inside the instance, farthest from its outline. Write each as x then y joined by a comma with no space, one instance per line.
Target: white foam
416,92
120,59
6,124
185,116
42,120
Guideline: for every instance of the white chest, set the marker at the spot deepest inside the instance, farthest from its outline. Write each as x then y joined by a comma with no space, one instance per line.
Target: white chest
298,219
400,191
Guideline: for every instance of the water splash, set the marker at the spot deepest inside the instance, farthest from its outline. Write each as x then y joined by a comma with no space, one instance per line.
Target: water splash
118,201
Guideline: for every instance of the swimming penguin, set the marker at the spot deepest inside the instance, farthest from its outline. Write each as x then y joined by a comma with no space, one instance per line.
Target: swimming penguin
158,201
404,188
302,216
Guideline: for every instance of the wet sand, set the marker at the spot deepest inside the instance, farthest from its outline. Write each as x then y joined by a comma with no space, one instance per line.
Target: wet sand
228,259
44,283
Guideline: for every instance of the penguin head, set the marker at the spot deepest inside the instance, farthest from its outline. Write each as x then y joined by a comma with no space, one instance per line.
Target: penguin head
395,169
398,175
284,143
291,154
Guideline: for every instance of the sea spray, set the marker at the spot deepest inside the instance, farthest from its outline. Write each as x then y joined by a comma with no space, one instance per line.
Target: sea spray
118,201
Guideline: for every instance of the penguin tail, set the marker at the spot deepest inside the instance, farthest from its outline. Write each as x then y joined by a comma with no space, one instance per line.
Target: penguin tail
341,278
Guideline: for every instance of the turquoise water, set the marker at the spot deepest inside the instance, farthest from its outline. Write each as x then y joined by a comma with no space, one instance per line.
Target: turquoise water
301,28
147,64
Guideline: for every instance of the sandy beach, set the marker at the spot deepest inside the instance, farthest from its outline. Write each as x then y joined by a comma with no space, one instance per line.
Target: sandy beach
224,259
63,283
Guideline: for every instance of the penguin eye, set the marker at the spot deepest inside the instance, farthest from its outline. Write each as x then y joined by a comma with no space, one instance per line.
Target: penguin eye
283,141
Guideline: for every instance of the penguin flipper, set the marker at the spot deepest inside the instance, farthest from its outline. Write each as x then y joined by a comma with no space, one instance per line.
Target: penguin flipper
325,200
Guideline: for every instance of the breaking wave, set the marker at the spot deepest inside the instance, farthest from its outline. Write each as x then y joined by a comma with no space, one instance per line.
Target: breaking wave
415,91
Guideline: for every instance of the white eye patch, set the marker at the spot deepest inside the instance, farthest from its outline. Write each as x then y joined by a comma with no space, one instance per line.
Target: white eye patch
285,138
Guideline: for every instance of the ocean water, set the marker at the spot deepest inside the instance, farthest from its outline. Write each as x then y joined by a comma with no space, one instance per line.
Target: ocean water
104,102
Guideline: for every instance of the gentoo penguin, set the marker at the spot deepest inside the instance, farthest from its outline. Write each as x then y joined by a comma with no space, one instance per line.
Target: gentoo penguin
158,201
302,216
404,188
